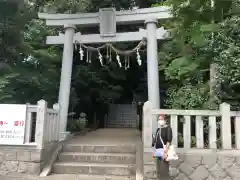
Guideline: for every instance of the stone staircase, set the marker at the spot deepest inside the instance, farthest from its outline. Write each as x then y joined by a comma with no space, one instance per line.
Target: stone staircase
97,162
122,116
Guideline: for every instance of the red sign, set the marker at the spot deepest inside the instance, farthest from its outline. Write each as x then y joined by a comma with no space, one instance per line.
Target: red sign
18,123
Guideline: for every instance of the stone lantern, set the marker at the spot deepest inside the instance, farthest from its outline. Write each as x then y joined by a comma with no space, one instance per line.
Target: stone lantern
83,119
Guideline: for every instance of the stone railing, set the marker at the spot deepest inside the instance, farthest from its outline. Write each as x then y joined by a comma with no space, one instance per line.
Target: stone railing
42,124
41,139
217,120
215,153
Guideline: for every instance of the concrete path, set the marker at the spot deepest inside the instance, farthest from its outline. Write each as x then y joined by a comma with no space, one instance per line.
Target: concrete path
57,177
51,177
108,136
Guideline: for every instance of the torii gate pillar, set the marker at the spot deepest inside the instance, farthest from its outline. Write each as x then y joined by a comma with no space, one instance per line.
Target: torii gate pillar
66,76
108,19
152,65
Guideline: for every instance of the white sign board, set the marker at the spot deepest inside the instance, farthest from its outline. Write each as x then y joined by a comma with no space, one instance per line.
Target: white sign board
12,123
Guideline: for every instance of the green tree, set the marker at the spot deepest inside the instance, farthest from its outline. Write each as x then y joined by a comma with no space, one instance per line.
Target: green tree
227,44
186,58
37,66
12,21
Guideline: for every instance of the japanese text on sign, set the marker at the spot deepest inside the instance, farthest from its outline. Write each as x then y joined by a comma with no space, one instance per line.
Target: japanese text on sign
12,125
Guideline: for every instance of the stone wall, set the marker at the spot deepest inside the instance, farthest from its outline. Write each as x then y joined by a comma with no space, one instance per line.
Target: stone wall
24,159
199,165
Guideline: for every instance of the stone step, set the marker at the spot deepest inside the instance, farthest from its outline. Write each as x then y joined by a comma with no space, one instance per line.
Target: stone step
128,117
121,126
100,148
86,177
93,169
102,177
118,117
122,119
125,114
118,158
122,123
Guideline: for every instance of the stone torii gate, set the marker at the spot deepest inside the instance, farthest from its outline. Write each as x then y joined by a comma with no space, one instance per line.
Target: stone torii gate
108,19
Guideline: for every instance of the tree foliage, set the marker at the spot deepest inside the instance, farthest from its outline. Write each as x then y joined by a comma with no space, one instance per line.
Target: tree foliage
201,35
228,59
30,69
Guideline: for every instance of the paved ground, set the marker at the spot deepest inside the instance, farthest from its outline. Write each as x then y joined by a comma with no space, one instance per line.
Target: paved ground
99,137
109,136
51,177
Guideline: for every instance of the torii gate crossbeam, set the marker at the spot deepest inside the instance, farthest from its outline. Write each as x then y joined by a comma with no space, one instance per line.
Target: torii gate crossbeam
107,19
161,34
122,17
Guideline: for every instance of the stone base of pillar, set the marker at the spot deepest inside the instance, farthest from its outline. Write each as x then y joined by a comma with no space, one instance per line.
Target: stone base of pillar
64,135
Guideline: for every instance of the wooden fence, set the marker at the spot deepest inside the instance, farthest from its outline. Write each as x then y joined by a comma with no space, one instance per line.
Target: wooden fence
208,127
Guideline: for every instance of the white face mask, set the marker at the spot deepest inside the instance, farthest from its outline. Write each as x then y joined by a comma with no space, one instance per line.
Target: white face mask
161,122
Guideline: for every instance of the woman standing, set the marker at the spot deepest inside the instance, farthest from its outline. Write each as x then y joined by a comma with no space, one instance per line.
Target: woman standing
162,140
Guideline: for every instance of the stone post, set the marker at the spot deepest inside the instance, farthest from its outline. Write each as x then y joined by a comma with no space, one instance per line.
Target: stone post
28,126
66,74
152,66
147,142
226,137
40,123
147,125
56,107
